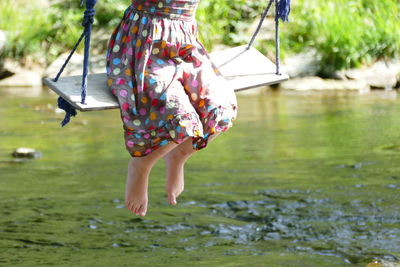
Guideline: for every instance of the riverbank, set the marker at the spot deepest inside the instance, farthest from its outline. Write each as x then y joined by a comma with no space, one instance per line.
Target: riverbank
301,68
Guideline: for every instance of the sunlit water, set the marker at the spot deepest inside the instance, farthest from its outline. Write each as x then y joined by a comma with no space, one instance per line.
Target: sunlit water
302,179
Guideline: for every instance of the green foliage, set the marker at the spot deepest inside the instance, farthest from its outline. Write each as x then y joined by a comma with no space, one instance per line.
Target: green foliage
223,21
344,33
24,28
44,33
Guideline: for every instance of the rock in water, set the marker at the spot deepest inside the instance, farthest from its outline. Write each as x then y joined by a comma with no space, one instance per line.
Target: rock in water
24,152
24,78
382,263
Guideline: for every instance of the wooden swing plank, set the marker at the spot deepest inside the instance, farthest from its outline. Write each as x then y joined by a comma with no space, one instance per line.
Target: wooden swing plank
246,69
98,95
242,68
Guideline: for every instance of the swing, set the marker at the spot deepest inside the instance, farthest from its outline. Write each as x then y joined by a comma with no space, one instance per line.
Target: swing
244,67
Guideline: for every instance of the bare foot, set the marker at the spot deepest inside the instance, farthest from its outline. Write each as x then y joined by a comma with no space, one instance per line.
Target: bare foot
136,197
175,179
175,175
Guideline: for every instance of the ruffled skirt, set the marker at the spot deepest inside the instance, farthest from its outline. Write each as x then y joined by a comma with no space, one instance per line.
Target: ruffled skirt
166,85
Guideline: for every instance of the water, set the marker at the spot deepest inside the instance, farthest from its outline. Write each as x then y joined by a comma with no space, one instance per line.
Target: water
302,179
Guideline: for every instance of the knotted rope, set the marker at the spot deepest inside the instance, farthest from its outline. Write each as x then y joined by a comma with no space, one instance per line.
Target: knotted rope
87,22
282,10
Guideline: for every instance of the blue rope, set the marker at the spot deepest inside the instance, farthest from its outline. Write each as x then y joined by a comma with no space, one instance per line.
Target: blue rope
277,43
69,109
87,22
282,10
263,16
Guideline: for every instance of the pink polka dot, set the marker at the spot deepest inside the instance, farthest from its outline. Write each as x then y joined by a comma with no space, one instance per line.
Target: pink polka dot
148,151
123,93
211,123
162,110
125,106
130,143
151,94
126,119
195,83
120,81
130,51
142,111
147,136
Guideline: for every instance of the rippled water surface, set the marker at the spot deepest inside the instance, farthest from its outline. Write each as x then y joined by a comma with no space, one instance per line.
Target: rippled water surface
302,179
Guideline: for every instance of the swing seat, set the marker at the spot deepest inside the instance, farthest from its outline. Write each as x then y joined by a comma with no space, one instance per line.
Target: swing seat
243,69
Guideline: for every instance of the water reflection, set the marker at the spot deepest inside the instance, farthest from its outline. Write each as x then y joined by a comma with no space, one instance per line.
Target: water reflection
301,178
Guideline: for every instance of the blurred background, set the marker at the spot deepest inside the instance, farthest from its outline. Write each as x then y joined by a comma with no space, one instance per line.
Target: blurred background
308,176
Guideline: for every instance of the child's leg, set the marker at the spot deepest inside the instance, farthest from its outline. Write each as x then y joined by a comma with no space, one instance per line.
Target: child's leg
175,161
139,168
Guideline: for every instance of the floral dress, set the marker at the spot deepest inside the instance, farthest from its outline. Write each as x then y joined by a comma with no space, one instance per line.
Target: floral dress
166,85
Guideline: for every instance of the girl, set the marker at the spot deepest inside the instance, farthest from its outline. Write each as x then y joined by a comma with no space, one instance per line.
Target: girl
172,99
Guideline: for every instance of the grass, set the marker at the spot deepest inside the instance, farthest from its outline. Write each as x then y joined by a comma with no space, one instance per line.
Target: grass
344,33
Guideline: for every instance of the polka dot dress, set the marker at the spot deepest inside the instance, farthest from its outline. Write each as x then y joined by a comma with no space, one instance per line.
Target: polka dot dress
162,76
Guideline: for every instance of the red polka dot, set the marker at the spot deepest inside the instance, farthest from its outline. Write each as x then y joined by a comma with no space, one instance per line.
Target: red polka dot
125,106
120,81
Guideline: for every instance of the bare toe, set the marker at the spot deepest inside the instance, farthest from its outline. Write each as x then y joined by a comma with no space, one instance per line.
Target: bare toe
142,210
129,206
172,198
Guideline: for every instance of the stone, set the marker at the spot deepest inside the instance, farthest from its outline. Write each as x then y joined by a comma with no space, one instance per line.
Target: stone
301,65
24,152
75,66
317,83
24,78
267,31
381,75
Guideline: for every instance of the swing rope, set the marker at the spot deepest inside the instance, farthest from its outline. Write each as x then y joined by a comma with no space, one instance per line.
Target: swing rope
282,10
87,22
